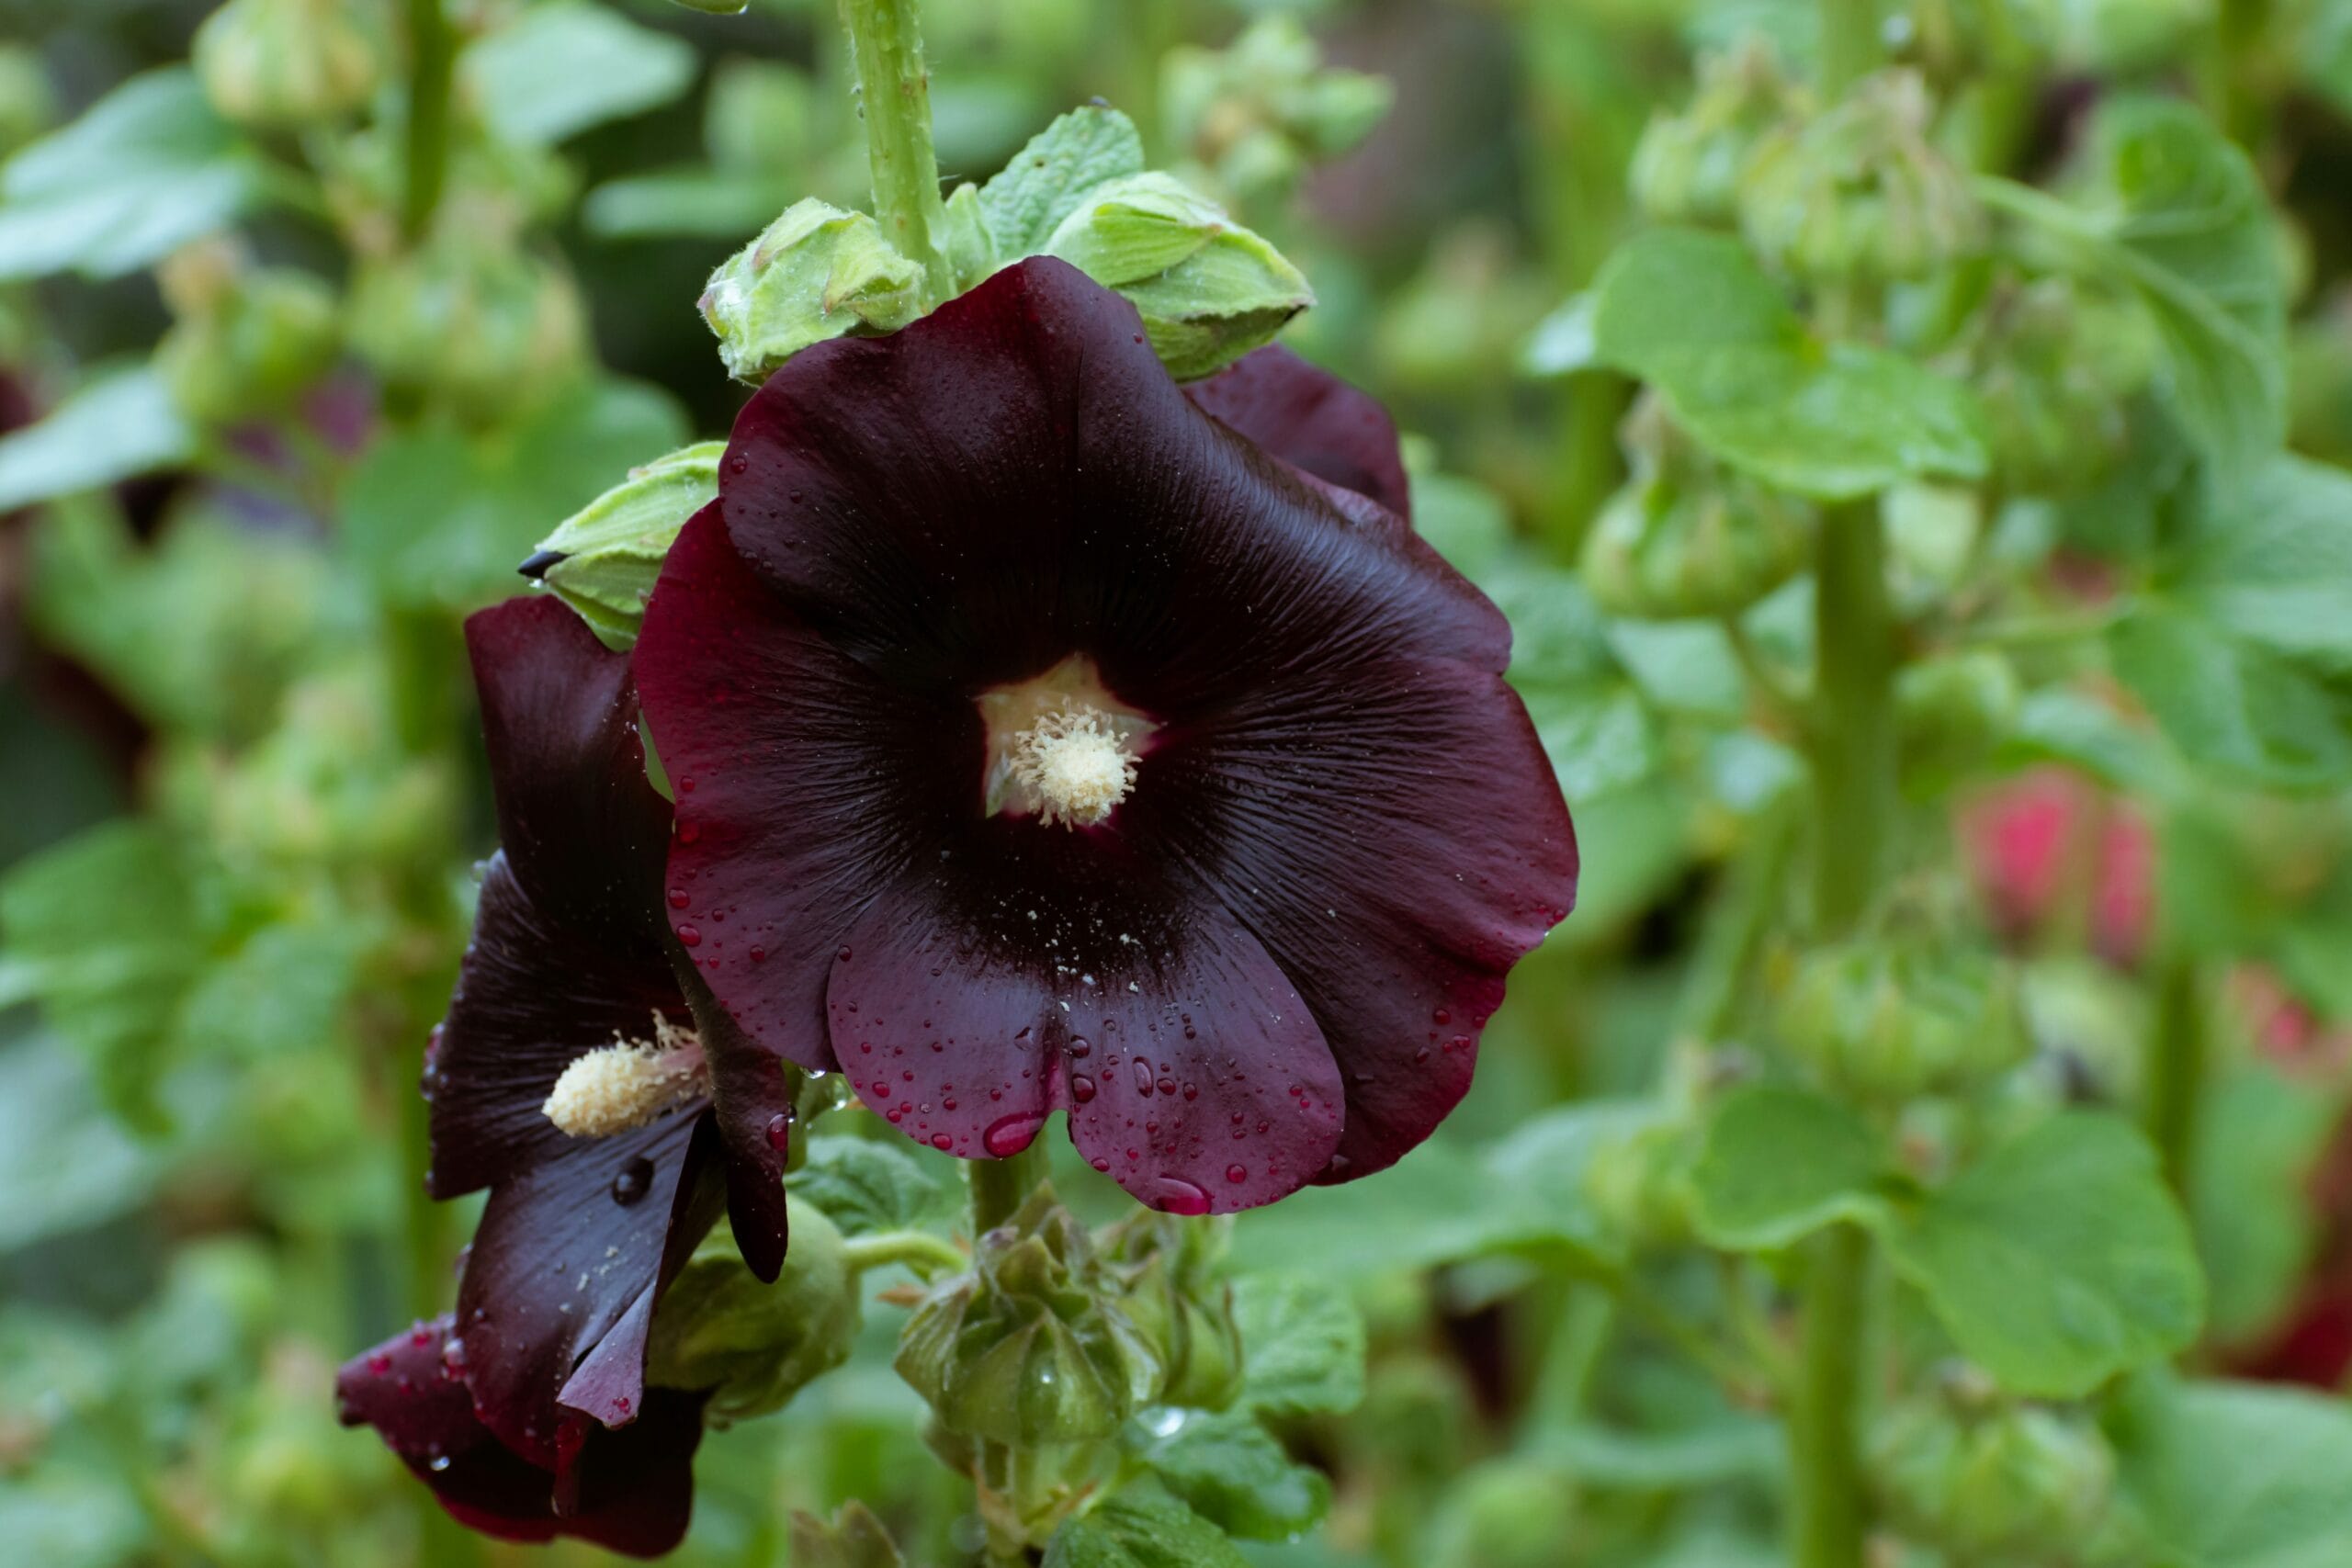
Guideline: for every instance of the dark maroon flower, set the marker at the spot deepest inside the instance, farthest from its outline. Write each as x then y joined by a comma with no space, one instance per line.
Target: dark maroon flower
1042,744
573,1078
630,1490
1311,420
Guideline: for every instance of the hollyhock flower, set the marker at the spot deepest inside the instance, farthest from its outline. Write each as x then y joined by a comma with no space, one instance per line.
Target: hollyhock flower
571,1079
1044,743
630,1490
2029,838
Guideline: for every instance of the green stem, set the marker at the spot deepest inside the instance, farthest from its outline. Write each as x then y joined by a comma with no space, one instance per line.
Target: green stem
894,98
1850,44
1000,1186
2231,67
926,1254
1854,806
432,62
2177,1060
1823,1439
1853,743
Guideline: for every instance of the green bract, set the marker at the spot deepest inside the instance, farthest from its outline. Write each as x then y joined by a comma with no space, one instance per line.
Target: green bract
1031,1347
1687,167
756,1344
481,325
602,560
1893,1020
1209,289
815,273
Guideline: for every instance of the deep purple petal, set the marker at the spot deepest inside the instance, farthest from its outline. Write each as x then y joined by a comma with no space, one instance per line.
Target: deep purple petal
582,829
814,785
563,1274
1392,832
1311,420
533,995
1015,477
1032,971
633,1489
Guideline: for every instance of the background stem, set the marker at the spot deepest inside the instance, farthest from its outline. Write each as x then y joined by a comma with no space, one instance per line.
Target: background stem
894,98
2177,1067
1823,1439
1850,44
433,61
1000,1186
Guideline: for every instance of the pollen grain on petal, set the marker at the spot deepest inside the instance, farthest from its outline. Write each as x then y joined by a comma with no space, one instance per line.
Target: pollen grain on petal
621,1087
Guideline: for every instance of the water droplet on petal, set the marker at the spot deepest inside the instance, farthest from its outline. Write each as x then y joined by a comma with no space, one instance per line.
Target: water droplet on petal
634,1180
1081,1088
1236,1173
1012,1135
1178,1196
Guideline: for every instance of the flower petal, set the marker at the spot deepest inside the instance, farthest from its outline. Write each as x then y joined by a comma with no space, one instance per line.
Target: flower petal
1015,477
635,1488
1392,833
571,1253
813,784
1033,970
533,995
583,831
1311,420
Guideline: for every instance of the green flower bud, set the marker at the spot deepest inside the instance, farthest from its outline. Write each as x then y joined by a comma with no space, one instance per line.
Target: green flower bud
1895,1019
248,346
1164,1268
1639,1185
852,1538
2056,369
1687,166
1954,711
1031,1348
1255,114
27,103
1989,1485
289,63
1860,195
1209,289
756,1344
482,327
602,560
1685,537
816,273
1507,1512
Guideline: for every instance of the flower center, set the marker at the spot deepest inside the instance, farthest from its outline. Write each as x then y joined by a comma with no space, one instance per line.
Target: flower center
1060,746
621,1087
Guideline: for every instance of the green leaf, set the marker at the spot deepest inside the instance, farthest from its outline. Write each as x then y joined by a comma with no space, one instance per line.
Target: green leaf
147,169
2233,1475
439,519
68,1165
1141,1528
1536,1196
864,1186
2258,1140
1693,314
563,67
1049,178
102,930
1302,1343
2177,213
2059,1260
1777,1164
1232,1472
2271,563
2232,706
111,428
695,203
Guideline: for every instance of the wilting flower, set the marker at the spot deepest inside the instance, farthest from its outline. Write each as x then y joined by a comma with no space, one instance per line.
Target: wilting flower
1042,742
573,1080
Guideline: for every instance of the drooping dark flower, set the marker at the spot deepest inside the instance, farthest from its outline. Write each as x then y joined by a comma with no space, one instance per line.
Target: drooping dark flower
573,1078
628,1490
1044,743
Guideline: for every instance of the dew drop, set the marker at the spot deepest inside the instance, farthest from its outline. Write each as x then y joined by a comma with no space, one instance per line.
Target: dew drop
1178,1196
690,936
1012,1135
677,897
634,1183
780,1132
1081,1088
942,1141
1236,1173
